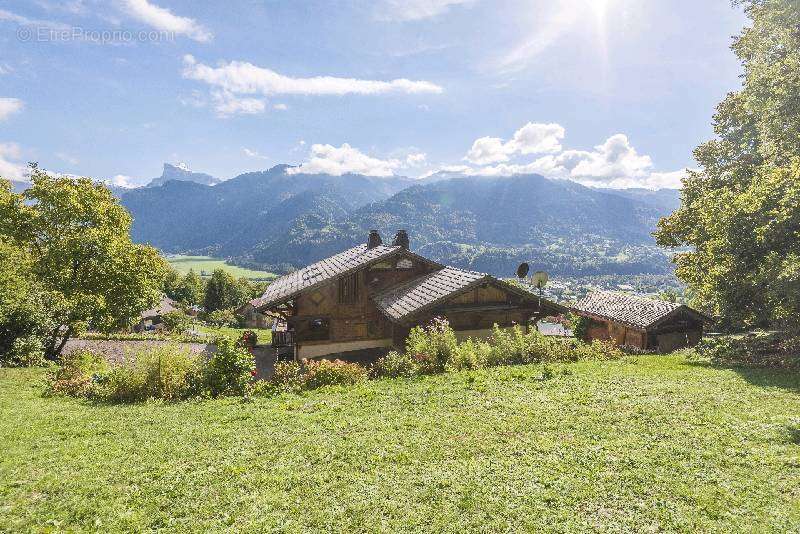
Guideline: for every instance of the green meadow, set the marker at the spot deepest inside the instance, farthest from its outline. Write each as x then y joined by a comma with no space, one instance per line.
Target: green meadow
205,265
650,443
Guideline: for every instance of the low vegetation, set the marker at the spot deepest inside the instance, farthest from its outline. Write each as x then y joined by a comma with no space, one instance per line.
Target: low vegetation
434,349
647,443
167,373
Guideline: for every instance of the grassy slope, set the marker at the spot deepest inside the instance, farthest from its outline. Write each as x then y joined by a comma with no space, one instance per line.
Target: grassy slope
205,265
657,443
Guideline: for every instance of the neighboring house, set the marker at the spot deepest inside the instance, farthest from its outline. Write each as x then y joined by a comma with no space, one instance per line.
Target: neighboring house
640,322
150,320
369,297
252,318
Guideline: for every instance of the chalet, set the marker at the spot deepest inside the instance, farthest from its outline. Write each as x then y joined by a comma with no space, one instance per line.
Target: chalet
251,318
368,298
640,322
151,320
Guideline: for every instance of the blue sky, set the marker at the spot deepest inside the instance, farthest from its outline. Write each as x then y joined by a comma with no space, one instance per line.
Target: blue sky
604,92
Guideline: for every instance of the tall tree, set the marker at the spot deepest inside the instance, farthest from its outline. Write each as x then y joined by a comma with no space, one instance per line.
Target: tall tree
223,291
81,255
739,214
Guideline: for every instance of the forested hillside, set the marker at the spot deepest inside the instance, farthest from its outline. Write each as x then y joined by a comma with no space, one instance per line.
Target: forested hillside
276,221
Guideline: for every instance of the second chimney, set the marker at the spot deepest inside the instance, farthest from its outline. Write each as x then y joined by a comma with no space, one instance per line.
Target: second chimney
401,239
374,239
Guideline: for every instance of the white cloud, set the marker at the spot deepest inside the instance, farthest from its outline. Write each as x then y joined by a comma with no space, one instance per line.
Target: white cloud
238,77
227,104
252,153
336,161
10,168
122,180
613,163
405,10
416,159
533,138
25,21
550,27
280,107
613,159
9,106
163,19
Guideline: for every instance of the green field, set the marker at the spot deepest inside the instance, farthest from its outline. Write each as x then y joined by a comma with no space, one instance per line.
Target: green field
205,265
644,444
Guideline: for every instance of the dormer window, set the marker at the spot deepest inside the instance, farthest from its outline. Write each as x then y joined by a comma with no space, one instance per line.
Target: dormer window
348,289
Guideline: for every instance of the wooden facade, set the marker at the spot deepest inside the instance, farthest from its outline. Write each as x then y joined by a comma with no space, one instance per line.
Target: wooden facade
372,305
645,324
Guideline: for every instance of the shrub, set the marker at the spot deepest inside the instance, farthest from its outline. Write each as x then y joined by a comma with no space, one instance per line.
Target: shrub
248,339
25,351
320,373
432,346
162,373
176,322
595,351
229,370
289,377
759,349
394,365
78,374
222,318
469,355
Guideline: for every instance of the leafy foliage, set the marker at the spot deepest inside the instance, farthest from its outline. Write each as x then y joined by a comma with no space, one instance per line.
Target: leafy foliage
188,289
229,370
739,214
78,263
434,349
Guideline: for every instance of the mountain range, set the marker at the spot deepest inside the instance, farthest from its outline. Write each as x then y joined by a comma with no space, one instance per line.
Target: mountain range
280,219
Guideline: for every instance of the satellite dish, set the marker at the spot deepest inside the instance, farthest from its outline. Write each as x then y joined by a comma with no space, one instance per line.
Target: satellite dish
539,279
522,270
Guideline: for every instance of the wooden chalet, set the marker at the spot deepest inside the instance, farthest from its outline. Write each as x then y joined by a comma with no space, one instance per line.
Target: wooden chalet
368,298
647,324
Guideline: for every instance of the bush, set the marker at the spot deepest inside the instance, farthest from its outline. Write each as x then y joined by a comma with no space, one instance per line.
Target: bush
469,355
432,346
24,352
248,339
176,322
78,374
289,377
229,370
758,349
320,373
162,373
394,365
222,318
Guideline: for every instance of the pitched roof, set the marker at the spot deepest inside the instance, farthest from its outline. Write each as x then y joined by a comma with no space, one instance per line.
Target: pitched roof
410,297
166,305
318,273
639,312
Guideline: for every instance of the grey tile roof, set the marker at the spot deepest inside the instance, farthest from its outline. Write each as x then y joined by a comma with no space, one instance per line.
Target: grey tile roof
315,274
632,310
405,299
166,305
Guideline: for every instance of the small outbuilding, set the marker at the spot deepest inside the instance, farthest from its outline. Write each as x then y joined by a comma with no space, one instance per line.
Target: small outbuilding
151,320
640,322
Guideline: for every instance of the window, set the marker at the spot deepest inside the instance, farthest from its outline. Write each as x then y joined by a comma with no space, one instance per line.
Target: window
348,289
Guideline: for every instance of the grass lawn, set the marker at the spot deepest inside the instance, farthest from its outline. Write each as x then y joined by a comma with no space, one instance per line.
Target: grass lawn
649,443
205,265
264,334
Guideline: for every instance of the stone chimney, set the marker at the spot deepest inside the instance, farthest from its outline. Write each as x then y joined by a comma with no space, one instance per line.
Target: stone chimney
374,239
401,239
